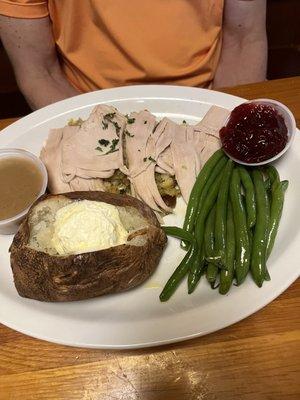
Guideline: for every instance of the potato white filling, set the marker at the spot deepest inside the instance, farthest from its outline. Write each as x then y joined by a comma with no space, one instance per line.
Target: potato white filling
84,226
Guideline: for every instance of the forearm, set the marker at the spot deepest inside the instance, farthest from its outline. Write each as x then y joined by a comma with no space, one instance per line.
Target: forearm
244,44
45,87
243,61
31,48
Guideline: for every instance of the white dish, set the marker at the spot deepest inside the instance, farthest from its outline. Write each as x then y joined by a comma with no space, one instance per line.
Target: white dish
137,318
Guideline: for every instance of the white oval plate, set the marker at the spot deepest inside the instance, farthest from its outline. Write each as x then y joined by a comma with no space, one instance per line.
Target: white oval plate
137,318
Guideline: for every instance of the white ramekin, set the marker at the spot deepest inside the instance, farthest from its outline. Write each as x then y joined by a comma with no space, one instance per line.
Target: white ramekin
289,120
10,225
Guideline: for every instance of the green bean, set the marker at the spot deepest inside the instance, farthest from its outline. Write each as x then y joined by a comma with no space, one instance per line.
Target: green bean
267,275
250,235
240,227
284,185
206,208
199,230
201,180
221,212
209,239
211,273
197,267
267,184
273,174
249,196
274,177
277,200
209,242
226,276
215,173
215,231
179,233
208,203
214,260
209,236
258,255
179,273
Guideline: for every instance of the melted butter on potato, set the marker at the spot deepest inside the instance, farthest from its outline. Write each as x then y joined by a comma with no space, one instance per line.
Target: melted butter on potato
85,226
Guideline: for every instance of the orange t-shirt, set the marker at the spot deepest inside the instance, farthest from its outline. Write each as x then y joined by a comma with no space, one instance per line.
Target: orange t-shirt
107,43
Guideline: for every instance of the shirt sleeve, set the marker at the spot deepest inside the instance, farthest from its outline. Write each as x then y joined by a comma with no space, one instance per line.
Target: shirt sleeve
24,8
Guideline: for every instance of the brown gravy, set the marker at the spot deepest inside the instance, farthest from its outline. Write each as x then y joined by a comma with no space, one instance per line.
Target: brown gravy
20,184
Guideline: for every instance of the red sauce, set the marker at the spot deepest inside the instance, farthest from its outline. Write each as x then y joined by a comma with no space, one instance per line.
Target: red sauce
254,133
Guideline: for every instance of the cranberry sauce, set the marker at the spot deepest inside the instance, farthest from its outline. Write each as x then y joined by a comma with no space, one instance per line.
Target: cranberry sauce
254,133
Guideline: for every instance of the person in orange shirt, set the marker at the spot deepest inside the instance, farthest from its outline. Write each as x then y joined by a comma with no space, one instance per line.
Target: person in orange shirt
59,48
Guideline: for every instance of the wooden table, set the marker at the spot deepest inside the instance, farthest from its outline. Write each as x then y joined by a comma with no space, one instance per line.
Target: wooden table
257,358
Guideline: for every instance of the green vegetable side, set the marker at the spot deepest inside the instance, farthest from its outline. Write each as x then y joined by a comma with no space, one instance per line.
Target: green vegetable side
230,225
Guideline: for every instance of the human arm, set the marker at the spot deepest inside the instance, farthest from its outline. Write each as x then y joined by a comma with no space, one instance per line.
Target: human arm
30,46
244,44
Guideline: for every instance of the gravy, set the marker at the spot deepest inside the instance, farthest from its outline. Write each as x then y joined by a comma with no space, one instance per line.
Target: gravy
20,184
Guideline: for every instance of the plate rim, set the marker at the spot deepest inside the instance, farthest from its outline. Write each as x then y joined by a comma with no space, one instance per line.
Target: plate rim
52,110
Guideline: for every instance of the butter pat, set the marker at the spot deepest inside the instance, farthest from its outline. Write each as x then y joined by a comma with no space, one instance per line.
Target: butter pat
84,226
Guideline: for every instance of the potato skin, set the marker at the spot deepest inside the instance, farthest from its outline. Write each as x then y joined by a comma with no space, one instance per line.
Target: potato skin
43,277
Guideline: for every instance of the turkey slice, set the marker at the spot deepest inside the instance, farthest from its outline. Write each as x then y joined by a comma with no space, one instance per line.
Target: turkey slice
163,151
92,149
186,159
207,132
51,157
143,142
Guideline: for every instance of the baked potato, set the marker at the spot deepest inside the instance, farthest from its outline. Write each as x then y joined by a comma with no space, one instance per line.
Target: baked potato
42,274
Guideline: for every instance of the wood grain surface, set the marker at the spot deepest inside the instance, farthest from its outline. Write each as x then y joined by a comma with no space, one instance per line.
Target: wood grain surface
257,358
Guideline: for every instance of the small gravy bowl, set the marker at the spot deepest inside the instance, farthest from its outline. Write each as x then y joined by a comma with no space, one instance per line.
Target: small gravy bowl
9,225
290,124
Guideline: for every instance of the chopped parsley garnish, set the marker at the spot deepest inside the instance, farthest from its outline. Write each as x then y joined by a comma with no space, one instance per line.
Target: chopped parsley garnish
109,115
113,146
104,142
128,133
108,118
184,121
149,158
116,125
104,124
130,120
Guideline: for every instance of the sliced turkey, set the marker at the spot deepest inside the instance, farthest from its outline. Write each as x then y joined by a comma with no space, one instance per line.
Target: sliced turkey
143,143
81,157
207,131
51,157
92,149
163,151
186,159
